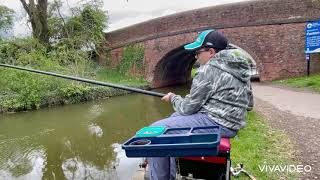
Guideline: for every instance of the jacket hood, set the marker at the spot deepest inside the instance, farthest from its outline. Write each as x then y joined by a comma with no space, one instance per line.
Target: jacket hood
228,62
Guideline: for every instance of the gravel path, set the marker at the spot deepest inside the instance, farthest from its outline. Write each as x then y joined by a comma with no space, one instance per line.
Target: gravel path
298,114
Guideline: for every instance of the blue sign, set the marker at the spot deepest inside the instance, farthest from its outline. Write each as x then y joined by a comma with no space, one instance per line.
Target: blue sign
313,37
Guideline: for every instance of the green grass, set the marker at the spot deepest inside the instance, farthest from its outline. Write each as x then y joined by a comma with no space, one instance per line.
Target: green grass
113,76
193,72
312,82
258,144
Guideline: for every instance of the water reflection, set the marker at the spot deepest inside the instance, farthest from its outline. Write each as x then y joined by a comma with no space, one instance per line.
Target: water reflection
96,130
24,163
76,169
77,141
125,167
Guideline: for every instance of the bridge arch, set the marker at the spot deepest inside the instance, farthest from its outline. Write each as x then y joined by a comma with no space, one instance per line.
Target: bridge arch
175,66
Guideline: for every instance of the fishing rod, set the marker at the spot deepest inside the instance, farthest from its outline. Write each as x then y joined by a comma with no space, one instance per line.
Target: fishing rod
152,93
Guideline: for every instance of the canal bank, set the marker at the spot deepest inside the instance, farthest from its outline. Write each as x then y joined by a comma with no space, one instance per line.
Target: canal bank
69,95
23,91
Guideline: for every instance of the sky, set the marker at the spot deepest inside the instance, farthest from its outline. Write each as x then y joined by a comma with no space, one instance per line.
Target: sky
121,13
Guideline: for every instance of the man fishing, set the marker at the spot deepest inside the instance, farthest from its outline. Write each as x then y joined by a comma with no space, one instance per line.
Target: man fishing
220,95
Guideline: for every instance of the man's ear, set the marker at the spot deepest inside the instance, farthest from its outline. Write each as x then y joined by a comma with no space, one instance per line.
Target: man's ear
212,51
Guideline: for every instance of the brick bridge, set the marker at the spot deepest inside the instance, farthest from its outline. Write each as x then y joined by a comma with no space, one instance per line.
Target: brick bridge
271,31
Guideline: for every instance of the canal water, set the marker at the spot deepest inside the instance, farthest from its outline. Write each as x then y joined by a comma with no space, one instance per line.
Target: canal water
81,141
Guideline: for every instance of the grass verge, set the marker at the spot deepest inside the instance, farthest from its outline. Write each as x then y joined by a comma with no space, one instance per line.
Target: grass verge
312,82
257,145
113,76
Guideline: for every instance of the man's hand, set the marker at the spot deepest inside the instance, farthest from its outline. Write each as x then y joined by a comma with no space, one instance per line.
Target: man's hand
167,97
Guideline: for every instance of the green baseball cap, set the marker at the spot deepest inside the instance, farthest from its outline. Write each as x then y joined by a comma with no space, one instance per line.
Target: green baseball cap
209,38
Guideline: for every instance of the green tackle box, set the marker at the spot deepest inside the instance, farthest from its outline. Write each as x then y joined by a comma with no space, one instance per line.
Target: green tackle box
151,131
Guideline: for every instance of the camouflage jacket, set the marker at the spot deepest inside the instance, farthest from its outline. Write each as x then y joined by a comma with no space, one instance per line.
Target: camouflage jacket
221,89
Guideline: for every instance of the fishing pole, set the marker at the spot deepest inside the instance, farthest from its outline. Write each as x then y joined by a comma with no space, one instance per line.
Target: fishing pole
152,93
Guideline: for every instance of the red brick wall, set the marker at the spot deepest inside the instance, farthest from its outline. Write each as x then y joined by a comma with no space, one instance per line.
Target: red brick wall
277,49
271,31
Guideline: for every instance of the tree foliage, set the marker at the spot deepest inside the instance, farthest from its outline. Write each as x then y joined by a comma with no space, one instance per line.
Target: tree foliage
82,30
72,34
6,17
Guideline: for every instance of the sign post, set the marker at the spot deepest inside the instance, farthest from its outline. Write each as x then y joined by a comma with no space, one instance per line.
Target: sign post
308,64
312,40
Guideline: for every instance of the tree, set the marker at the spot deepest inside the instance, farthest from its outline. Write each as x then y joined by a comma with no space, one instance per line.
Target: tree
83,29
37,12
6,15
